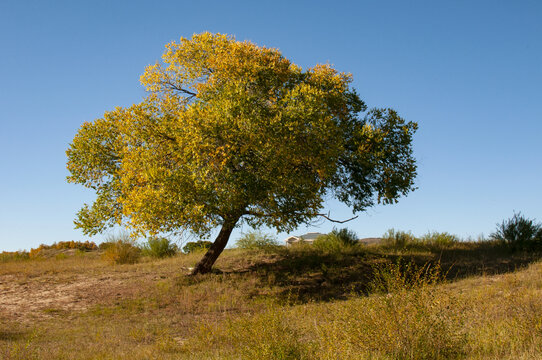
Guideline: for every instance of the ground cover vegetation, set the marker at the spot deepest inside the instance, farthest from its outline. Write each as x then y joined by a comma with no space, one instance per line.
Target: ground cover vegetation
429,297
230,133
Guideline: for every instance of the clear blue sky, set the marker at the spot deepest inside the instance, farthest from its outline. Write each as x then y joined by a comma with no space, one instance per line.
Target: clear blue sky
469,72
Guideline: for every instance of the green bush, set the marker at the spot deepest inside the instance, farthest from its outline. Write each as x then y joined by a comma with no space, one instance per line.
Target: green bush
194,246
347,237
336,240
256,240
519,232
398,239
439,239
120,249
159,247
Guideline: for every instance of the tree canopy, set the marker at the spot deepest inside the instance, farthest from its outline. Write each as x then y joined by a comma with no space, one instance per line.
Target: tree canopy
231,132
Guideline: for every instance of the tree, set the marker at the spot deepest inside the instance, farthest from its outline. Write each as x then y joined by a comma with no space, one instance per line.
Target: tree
232,132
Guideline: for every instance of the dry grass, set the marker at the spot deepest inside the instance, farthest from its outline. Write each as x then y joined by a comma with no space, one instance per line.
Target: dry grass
360,303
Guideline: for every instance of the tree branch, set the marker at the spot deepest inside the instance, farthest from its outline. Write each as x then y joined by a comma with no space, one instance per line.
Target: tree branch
253,213
184,91
337,221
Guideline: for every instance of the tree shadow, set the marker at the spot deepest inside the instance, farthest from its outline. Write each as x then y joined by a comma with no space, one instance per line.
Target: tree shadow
482,259
308,275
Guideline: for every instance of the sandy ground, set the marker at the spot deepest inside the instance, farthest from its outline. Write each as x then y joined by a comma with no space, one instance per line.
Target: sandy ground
24,298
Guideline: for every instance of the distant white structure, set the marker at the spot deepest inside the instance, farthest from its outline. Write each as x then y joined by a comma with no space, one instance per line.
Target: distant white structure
308,238
370,241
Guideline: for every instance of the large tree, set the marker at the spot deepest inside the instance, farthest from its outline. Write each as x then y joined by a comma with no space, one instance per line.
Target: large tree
232,132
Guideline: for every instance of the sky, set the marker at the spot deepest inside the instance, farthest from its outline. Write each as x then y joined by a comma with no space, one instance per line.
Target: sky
468,72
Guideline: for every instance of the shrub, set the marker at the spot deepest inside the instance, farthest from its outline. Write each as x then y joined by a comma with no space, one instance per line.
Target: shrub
78,245
121,249
347,237
37,252
106,244
159,247
399,276
519,232
398,239
256,240
194,246
439,239
409,318
6,256
336,240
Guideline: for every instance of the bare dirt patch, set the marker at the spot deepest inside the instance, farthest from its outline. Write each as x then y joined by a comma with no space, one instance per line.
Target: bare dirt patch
24,298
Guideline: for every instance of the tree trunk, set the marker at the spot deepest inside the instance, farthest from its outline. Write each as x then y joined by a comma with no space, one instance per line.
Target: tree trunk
206,263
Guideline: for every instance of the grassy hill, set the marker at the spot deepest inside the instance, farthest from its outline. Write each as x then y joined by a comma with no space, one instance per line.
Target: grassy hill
475,300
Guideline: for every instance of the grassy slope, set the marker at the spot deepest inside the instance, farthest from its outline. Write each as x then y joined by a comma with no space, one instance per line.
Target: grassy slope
284,304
